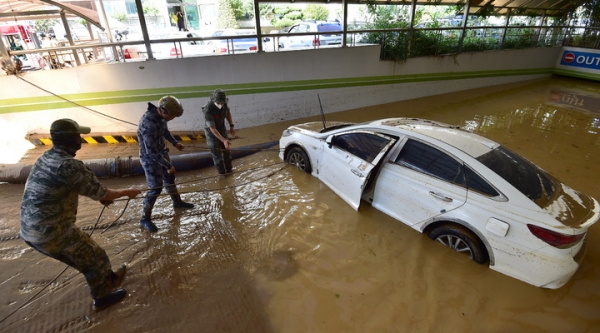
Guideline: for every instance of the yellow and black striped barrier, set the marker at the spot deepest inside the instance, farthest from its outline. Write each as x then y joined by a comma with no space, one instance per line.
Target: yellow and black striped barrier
116,139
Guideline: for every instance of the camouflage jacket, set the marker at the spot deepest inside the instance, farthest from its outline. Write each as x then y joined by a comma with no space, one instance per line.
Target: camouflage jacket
213,116
52,190
152,133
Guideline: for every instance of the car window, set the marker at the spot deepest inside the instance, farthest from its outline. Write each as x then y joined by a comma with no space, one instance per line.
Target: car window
328,27
430,160
476,183
365,146
303,28
528,178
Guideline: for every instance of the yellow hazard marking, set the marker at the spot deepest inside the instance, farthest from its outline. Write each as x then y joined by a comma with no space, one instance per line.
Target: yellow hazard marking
185,138
130,139
110,139
89,139
47,142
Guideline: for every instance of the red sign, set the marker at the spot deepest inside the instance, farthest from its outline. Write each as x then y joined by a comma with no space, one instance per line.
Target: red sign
568,57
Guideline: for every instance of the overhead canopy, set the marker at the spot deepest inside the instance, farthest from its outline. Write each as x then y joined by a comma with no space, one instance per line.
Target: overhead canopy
20,10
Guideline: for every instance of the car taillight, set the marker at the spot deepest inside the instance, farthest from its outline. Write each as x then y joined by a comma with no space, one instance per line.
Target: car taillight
175,52
555,239
223,50
316,42
127,55
253,48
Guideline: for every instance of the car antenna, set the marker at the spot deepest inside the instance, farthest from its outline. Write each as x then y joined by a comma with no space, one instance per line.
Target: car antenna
322,113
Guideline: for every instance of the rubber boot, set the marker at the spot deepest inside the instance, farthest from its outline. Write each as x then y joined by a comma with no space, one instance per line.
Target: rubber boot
112,298
178,203
146,220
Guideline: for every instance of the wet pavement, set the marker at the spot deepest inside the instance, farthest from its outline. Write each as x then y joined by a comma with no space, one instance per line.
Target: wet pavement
271,249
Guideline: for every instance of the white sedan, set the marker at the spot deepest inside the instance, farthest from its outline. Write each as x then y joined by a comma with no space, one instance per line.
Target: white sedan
465,191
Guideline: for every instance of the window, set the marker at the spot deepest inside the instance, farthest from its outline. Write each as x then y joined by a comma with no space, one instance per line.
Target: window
130,7
365,146
528,178
427,159
476,183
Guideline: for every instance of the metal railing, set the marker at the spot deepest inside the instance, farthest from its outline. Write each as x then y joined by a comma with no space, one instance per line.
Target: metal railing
396,44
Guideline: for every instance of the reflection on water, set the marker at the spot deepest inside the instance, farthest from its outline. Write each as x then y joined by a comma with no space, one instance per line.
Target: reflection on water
271,249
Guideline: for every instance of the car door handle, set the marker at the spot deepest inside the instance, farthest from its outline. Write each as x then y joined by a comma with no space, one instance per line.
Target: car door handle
441,197
358,173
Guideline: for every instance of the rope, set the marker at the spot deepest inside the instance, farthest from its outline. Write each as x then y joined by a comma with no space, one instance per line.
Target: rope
114,223
51,281
95,226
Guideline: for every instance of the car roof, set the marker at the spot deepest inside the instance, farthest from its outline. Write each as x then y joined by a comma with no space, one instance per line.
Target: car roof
470,143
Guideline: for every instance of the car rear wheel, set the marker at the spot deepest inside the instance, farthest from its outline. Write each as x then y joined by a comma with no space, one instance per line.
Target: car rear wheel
297,156
461,240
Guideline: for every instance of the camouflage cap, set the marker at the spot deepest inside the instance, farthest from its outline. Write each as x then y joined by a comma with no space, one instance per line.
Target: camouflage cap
68,126
219,96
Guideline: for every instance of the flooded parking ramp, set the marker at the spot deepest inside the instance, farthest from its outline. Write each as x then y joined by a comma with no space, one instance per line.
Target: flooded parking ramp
272,249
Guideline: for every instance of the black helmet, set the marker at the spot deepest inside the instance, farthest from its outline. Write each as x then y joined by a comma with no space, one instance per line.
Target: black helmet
171,105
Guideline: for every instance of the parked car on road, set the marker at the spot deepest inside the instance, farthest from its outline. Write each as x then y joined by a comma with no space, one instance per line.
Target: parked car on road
331,35
464,191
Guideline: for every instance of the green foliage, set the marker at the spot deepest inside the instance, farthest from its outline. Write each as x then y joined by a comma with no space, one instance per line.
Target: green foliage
226,16
285,16
283,23
44,25
266,10
150,10
394,44
591,10
316,12
120,16
239,10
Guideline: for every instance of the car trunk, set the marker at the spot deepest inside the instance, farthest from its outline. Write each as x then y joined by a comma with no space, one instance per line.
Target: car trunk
572,208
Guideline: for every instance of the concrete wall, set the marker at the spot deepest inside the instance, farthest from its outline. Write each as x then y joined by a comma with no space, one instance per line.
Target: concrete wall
262,88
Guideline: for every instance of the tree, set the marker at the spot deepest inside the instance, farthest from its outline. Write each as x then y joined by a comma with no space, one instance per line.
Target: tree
226,16
286,16
316,12
238,9
591,11
44,25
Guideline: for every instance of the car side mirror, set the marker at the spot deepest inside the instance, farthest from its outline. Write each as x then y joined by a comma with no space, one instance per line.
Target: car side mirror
266,39
329,140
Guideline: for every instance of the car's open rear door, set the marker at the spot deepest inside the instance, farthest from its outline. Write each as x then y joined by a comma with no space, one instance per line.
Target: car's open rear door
346,164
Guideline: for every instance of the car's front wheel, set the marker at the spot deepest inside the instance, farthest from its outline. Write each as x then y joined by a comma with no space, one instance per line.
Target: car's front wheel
297,156
461,240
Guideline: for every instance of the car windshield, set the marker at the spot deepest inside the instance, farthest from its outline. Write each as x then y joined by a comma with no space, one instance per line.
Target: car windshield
528,178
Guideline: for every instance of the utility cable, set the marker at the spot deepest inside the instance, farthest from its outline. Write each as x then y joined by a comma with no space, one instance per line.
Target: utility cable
75,103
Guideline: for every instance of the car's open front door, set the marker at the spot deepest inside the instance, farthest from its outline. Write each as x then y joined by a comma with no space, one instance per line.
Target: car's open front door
346,163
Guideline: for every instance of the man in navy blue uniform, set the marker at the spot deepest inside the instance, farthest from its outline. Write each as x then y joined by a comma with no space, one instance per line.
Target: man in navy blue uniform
154,155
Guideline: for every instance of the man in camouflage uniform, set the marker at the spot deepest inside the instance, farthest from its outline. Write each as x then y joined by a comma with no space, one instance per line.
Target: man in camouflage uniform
154,155
49,208
215,113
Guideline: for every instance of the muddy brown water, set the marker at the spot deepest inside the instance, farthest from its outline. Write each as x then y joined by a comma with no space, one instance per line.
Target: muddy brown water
271,249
